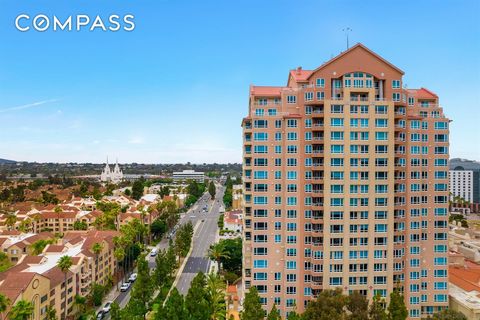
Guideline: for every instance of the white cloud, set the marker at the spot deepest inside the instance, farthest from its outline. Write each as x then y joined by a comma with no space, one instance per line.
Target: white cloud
28,106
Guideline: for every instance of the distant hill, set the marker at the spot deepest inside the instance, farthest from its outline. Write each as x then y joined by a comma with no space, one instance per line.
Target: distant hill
3,161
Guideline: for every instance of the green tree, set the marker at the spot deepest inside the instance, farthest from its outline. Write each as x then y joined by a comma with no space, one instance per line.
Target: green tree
163,270
4,303
22,310
252,308
158,228
217,252
228,195
4,262
137,190
49,198
50,313
196,303
357,304
448,314
293,315
171,260
119,255
80,304
329,305
97,248
216,297
64,264
164,191
274,313
396,308
175,307
38,246
377,308
80,225
97,292
115,311
211,189
232,261
142,291
183,240
10,221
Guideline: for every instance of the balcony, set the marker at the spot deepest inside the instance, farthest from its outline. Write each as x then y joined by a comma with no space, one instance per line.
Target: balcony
317,216
268,103
362,99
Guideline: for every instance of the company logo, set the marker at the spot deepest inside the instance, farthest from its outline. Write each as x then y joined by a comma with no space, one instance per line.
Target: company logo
42,23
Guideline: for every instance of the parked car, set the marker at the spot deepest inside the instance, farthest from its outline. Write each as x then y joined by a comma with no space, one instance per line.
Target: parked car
125,286
107,307
100,315
132,277
154,252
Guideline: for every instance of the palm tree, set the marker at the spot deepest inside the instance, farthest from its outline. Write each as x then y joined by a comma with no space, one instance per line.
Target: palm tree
217,252
50,313
22,310
97,249
64,264
25,225
119,254
4,303
80,303
11,220
36,218
216,297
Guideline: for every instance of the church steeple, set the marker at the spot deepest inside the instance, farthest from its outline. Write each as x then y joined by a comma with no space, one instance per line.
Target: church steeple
109,175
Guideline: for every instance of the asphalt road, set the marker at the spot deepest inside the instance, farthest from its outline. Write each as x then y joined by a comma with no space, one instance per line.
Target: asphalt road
202,239
204,236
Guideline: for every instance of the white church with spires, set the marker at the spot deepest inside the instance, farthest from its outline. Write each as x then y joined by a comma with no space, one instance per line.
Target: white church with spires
113,176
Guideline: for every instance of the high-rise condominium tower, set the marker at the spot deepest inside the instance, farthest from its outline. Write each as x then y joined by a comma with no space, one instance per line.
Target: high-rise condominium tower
346,186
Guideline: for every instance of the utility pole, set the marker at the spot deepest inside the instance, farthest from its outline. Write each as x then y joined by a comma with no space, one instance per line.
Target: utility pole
347,30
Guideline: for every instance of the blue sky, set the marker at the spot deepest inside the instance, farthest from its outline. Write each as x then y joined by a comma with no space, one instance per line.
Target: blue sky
176,88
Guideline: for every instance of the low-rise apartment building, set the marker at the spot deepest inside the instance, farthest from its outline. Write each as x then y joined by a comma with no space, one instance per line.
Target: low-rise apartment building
43,283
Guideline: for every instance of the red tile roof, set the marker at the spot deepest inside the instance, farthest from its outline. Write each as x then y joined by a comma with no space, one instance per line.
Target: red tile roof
32,259
12,287
55,248
266,91
356,47
467,278
300,75
56,276
423,93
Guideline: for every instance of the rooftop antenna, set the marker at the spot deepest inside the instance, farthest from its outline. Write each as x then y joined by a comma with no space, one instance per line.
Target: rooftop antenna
347,31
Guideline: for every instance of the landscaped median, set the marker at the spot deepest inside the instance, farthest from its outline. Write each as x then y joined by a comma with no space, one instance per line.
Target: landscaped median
161,295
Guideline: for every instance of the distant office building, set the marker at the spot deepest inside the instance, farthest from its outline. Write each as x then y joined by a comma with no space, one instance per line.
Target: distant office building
461,184
465,179
346,186
113,176
186,175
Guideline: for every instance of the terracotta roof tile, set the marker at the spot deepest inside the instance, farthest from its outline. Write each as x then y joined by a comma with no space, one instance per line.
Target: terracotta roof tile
55,248
266,91
300,75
